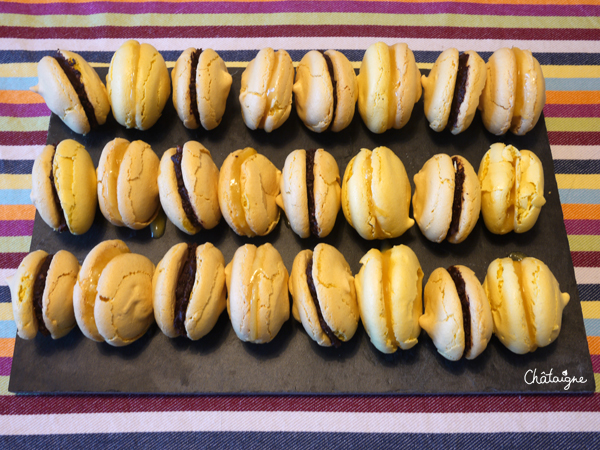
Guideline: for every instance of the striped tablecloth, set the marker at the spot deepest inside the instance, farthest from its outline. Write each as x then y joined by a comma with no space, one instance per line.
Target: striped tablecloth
564,36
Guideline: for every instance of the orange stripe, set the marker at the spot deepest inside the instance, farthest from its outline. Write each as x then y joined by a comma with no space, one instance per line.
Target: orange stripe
576,211
20,97
594,345
17,212
573,97
7,347
510,2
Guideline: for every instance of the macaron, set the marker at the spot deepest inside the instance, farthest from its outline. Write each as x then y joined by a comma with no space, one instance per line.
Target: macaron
257,286
63,187
457,317
389,289
123,306
512,189
376,194
127,183
86,287
447,198
73,91
526,303
138,85
451,90
310,192
388,86
42,294
188,182
325,91
201,85
248,189
266,90
189,291
530,92
324,296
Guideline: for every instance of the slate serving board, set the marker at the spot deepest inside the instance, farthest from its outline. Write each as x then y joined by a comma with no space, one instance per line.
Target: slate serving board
292,362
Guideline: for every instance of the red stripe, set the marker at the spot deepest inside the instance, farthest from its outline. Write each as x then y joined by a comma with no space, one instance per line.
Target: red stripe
574,137
23,137
62,404
116,32
583,227
586,259
11,260
596,363
557,110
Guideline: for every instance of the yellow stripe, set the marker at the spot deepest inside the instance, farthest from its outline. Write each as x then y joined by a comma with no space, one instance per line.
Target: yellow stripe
597,379
15,243
591,310
572,123
584,243
18,70
570,181
24,123
6,312
4,386
15,181
458,20
571,71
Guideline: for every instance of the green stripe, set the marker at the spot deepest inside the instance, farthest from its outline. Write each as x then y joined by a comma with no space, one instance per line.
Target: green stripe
584,243
572,123
24,123
457,20
15,244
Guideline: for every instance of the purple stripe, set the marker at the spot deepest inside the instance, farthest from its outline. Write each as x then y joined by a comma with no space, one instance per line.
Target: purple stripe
296,6
24,110
5,365
583,227
596,363
559,110
16,227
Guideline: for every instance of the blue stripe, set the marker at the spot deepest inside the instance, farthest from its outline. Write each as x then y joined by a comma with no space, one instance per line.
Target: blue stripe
8,329
589,292
4,294
17,83
577,166
16,166
590,196
304,440
15,196
592,327
573,84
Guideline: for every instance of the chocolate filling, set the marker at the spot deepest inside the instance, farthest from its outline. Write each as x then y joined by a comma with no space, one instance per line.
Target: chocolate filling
62,223
333,84
38,292
459,282
460,89
310,190
183,192
193,95
313,293
459,182
74,76
185,283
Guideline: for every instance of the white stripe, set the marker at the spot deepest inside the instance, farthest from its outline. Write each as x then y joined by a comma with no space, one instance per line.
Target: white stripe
575,151
306,43
5,273
349,422
587,275
20,151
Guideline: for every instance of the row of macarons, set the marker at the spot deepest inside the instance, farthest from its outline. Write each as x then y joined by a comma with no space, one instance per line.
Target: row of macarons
509,90
116,295
131,183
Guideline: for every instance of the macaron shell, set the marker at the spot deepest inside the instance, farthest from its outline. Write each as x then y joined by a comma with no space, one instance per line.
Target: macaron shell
208,297
180,78
530,93
438,89
230,193
213,83
293,198
346,90
57,299
279,93
86,287
406,85
123,307
41,195
119,83
336,292
21,294
107,173
529,191
373,87
475,84
497,100
326,190
443,318
471,203
137,186
434,194
75,181
313,92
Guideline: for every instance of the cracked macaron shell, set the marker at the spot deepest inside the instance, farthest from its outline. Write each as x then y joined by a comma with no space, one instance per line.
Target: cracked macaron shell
530,92
138,85
200,178
86,287
107,174
62,99
41,195
346,90
470,203
526,303
123,307
257,286
389,289
266,90
376,194
475,84
248,189
207,299
438,89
